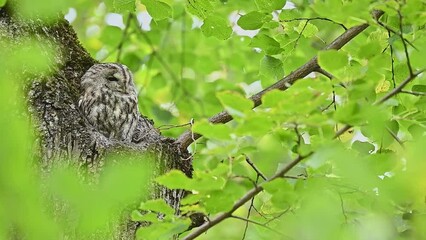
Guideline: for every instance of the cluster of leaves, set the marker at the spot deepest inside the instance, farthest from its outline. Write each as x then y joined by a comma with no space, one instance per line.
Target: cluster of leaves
366,183
194,58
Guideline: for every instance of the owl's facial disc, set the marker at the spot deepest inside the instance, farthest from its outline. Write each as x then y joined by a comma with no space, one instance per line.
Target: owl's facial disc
116,80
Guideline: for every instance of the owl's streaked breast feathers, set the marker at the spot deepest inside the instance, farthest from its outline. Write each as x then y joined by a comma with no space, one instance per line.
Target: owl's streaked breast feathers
109,100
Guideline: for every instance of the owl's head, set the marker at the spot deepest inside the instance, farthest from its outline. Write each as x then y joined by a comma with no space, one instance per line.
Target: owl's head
114,76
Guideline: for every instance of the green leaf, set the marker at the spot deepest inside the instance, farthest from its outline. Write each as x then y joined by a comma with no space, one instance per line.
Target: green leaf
136,215
332,60
418,88
383,162
271,69
270,5
200,8
2,2
306,29
175,179
203,182
272,98
417,57
121,6
157,205
369,50
158,10
277,185
217,27
212,131
252,20
163,230
45,10
363,147
349,114
266,43
257,125
234,103
223,200
416,130
282,192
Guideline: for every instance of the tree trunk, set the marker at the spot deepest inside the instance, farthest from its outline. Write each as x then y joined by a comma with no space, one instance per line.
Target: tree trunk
63,135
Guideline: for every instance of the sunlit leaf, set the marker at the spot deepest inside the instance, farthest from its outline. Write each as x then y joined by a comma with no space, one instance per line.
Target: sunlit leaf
157,9
363,147
270,5
121,6
382,86
175,179
267,44
200,8
234,103
332,60
157,205
271,69
252,20
214,131
217,27
306,29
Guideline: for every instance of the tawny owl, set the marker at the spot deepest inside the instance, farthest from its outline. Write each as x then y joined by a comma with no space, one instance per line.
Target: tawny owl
109,100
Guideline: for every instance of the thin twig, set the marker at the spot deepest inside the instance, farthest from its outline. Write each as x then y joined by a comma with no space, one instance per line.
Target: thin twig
414,93
260,224
300,34
255,168
258,212
392,62
333,92
343,208
296,177
278,216
325,73
299,136
158,56
167,127
123,38
395,137
389,29
410,69
249,211
315,18
245,177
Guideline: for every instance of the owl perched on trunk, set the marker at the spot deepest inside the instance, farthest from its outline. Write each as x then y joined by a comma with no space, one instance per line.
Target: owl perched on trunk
109,100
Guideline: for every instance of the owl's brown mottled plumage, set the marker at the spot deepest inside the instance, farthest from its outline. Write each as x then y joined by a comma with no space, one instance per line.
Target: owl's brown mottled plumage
109,100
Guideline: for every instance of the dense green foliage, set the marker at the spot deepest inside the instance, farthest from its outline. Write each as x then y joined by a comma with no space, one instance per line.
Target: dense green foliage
194,59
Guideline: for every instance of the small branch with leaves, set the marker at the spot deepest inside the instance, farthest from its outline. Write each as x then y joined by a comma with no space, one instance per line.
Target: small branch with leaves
188,137
283,85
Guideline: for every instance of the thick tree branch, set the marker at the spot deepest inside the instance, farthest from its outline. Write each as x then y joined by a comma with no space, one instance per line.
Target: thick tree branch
188,137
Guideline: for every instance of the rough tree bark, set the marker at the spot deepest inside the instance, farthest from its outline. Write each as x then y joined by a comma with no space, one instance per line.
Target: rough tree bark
63,133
